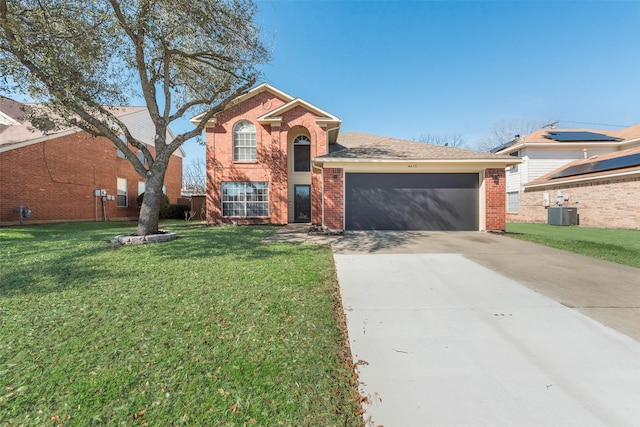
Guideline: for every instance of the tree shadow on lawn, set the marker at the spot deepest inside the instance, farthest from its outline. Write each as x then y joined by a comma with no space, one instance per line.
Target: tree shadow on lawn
55,257
56,272
37,267
243,242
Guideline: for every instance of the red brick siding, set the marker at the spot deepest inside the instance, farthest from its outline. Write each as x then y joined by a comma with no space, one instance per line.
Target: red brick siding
613,203
334,199
56,179
495,199
272,157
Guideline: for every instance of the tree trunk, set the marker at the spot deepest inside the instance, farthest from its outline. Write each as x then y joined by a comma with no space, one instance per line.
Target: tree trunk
150,209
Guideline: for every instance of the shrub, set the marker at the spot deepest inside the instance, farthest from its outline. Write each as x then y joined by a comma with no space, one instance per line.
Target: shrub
174,211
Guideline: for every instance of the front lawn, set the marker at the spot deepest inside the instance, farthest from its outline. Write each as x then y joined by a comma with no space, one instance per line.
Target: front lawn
610,244
212,329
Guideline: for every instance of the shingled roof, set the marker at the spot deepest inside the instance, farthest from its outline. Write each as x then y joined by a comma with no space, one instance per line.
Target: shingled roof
19,130
365,146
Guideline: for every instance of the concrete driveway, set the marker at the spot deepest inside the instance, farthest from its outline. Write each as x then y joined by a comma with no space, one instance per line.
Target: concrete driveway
476,329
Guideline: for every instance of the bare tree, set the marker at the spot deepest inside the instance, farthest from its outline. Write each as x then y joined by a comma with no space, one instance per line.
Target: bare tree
182,58
194,177
506,130
448,140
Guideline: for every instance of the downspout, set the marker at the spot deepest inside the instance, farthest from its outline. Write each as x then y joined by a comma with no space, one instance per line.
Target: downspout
322,188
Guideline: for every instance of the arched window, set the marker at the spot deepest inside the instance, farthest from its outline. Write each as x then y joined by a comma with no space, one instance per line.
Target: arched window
301,154
244,142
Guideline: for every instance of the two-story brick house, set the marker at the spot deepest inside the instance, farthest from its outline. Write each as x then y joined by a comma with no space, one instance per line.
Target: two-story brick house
604,202
56,173
273,158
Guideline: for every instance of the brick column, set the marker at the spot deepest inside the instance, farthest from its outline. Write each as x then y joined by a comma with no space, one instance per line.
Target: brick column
496,198
333,198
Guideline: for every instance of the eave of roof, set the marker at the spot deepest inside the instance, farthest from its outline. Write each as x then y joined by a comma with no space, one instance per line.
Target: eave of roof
537,139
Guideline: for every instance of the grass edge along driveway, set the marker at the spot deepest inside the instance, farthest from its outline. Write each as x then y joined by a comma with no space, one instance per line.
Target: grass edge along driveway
610,244
212,329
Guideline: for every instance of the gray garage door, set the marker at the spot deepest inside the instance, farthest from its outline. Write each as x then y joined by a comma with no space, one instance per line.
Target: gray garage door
412,201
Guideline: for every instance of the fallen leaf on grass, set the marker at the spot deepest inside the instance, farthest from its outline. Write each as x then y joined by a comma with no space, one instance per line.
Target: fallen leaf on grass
234,408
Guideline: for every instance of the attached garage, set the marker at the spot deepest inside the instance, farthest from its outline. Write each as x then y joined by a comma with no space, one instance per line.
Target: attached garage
412,201
372,182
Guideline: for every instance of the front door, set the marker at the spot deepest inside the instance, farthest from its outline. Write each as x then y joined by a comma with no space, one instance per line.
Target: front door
302,203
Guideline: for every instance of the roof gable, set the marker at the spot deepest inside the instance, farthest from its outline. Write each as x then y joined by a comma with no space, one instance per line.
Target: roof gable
264,87
275,116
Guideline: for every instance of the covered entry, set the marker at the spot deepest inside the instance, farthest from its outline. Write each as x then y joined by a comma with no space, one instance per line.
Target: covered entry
412,201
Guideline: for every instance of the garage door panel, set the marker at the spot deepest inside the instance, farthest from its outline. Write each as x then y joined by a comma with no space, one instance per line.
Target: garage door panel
412,202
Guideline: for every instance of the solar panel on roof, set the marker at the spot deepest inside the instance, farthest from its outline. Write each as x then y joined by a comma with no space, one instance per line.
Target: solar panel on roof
579,136
599,166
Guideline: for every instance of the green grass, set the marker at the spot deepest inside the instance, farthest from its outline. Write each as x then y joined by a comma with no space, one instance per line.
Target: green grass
213,329
610,244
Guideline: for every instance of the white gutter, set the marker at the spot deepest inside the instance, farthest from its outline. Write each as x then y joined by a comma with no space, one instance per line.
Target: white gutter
367,160
590,178
578,144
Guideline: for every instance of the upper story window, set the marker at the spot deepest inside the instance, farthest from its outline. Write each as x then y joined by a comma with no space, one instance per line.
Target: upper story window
301,154
514,168
244,142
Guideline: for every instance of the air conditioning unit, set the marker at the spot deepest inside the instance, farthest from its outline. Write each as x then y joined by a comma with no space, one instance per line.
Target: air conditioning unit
562,215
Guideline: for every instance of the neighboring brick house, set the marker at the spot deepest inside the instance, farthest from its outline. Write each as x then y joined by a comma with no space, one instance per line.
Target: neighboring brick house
55,174
273,158
604,188
546,150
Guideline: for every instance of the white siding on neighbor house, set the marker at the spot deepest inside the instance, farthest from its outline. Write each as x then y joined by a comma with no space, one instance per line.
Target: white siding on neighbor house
141,127
513,179
542,161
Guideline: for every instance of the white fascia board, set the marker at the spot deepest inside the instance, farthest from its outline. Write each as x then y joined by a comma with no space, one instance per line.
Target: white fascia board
482,163
586,179
6,120
324,121
630,141
564,145
266,120
196,120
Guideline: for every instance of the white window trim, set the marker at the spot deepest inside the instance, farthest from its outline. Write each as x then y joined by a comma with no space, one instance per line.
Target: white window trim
301,140
244,200
248,141
121,190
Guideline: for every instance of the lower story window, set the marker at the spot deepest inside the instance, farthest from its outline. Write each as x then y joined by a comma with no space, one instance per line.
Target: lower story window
245,199
512,202
122,193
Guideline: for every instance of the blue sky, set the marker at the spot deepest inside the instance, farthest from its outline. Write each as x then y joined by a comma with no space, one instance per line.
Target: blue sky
407,68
